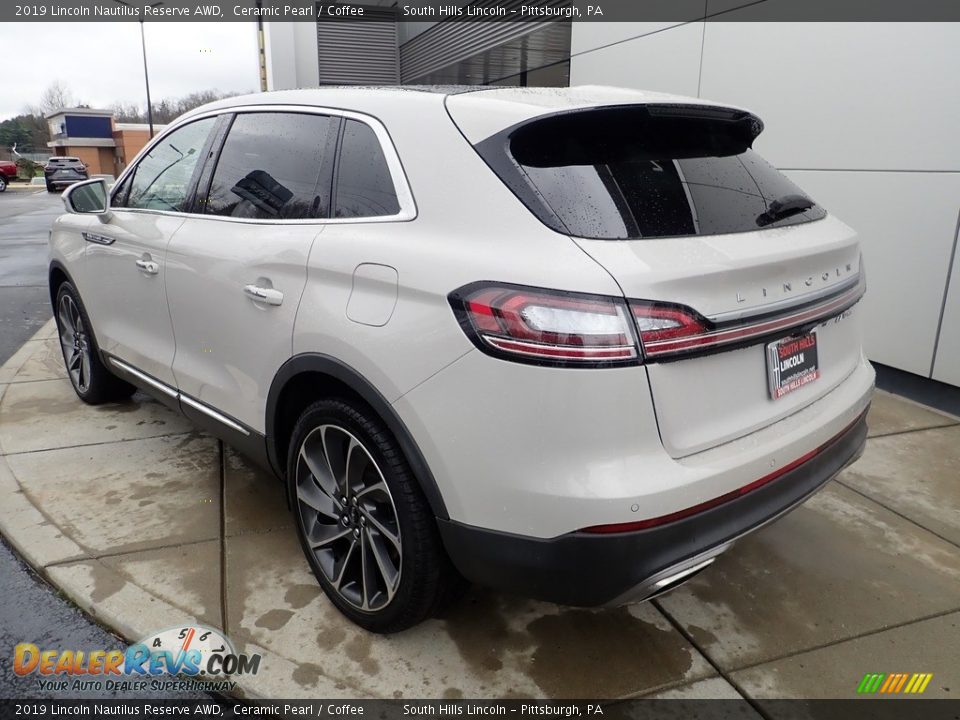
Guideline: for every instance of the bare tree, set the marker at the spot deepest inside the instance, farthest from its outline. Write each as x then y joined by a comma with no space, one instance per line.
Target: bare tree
128,113
55,97
168,109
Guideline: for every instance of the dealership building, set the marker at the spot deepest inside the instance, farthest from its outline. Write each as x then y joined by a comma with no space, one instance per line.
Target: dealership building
863,116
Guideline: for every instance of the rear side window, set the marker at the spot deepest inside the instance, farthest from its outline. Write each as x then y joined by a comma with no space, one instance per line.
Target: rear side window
275,166
647,172
364,185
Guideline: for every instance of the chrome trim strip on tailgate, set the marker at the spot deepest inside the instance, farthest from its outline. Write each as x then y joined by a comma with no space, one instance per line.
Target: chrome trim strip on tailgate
746,330
787,303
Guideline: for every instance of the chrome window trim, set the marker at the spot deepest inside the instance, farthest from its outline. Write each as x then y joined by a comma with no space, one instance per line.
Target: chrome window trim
401,185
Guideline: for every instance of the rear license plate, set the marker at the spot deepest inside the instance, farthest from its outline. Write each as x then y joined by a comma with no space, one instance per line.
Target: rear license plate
791,364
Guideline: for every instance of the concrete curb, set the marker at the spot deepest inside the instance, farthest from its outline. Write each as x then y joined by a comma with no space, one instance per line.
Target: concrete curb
23,187
48,551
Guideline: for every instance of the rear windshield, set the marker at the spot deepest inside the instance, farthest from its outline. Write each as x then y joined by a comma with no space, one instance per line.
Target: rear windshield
647,172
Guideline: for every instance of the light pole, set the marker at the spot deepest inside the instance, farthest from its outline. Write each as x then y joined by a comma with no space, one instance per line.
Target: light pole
146,75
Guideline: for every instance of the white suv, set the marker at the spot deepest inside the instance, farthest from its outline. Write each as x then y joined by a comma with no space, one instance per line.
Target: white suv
570,343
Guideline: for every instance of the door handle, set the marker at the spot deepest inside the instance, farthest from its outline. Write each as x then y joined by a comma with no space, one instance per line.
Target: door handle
148,266
268,296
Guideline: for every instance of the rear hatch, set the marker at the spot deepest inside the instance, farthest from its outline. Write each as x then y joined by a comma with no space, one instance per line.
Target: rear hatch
65,169
742,286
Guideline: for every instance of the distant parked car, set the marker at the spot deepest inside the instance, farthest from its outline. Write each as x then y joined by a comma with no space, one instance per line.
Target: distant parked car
8,171
59,172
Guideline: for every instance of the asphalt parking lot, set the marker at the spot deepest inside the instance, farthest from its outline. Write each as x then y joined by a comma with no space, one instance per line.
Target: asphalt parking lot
147,523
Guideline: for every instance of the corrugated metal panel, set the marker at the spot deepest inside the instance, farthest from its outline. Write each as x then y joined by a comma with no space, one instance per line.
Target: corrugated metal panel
452,41
359,52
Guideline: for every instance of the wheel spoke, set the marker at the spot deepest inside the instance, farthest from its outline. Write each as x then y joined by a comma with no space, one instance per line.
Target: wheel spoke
75,318
380,487
343,565
384,564
66,322
313,496
356,462
84,368
335,455
75,360
365,580
330,534
320,471
382,529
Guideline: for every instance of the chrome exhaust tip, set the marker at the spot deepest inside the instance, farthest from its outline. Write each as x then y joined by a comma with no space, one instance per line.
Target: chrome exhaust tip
669,578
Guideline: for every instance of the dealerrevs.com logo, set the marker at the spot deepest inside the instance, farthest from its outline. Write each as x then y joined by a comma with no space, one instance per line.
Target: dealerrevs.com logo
202,658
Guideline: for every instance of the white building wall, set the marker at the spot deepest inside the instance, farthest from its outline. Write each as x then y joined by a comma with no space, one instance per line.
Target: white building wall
864,116
291,50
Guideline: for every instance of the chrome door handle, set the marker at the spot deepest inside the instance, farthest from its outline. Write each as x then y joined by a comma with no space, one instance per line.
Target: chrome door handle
148,266
268,296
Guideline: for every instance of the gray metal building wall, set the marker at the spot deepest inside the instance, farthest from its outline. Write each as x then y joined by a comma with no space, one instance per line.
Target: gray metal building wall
359,52
450,42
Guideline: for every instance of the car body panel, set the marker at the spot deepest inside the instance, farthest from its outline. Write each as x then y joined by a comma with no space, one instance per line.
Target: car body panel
482,114
514,460
129,304
705,401
208,265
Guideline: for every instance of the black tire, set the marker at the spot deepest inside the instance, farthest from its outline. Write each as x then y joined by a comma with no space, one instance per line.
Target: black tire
51,188
424,580
3,183
91,380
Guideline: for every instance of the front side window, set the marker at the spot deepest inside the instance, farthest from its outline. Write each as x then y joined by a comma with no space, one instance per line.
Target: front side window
274,166
364,185
161,180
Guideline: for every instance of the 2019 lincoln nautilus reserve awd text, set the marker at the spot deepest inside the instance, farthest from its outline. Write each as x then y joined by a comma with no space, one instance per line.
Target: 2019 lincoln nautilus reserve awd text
570,343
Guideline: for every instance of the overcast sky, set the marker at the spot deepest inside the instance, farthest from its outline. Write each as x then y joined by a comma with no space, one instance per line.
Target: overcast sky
101,63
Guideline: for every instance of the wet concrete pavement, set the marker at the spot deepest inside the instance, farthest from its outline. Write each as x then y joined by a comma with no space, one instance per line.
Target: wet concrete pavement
30,610
147,523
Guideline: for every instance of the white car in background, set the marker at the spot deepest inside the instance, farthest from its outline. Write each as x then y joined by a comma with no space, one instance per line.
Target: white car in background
570,343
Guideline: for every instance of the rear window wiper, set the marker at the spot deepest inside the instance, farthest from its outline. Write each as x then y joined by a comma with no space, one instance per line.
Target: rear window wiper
784,207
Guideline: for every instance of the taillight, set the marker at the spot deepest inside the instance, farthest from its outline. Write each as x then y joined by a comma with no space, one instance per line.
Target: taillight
666,328
672,331
545,326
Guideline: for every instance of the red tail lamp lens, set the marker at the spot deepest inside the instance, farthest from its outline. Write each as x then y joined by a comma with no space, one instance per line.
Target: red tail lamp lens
545,325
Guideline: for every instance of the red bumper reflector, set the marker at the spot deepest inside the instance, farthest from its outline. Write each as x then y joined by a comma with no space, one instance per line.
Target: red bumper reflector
727,497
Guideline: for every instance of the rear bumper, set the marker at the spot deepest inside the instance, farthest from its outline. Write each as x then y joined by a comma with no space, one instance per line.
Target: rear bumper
586,569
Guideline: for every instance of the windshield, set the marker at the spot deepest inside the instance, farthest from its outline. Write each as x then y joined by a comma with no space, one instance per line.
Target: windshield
647,172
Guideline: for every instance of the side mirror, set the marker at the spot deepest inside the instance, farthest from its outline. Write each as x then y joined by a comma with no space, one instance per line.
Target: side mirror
87,198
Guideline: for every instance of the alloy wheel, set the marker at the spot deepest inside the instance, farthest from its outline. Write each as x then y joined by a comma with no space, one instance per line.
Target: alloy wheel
348,518
75,343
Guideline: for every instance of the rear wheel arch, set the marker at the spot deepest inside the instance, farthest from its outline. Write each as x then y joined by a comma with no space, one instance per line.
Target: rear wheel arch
308,377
